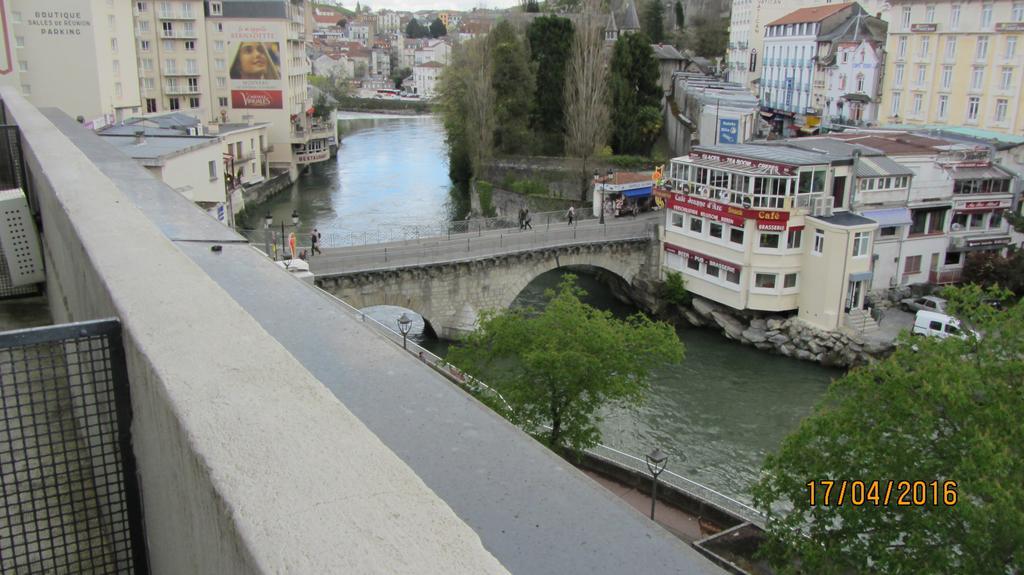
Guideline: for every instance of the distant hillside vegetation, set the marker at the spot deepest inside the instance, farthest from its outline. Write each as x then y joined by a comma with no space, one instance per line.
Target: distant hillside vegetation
340,10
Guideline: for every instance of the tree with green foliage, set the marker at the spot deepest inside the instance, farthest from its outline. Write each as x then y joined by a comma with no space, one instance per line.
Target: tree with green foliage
993,269
935,410
636,95
550,42
437,29
530,6
416,30
673,290
654,21
400,74
513,84
559,367
712,37
680,16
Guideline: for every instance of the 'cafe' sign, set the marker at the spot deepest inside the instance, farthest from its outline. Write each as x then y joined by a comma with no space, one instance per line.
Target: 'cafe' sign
767,220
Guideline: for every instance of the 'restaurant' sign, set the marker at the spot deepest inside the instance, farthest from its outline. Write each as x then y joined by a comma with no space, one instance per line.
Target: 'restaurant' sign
713,262
770,167
985,241
1009,26
768,220
982,206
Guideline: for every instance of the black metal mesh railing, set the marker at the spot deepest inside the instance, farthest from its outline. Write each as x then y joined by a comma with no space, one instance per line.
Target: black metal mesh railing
69,498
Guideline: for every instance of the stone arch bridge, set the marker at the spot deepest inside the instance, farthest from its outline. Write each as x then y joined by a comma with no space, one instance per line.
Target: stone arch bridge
450,294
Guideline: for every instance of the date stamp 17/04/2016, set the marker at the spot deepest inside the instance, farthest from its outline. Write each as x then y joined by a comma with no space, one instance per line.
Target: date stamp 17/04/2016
837,492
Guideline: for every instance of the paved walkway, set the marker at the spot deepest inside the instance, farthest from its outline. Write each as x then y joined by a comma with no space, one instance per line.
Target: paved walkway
679,523
473,245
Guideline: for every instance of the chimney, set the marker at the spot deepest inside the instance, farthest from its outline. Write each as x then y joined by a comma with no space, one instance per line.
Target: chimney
140,137
248,119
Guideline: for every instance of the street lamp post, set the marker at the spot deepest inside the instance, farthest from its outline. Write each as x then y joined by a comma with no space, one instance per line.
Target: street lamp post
656,464
268,221
404,325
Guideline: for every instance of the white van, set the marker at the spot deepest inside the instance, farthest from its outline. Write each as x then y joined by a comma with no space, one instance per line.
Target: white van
935,324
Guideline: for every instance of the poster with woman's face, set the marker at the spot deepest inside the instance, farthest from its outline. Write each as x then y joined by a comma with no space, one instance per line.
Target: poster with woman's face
256,61
255,65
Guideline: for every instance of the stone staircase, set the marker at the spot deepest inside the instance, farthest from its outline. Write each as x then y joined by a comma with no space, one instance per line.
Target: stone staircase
860,321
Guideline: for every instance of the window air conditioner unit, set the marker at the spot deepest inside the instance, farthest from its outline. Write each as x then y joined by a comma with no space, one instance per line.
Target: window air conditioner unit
19,241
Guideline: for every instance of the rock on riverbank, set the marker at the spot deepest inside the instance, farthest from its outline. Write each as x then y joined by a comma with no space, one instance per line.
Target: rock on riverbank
789,336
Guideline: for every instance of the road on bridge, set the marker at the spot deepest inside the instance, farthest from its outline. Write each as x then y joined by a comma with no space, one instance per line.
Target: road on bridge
473,245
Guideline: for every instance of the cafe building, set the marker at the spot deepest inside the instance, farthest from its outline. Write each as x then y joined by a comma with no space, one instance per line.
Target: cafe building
767,227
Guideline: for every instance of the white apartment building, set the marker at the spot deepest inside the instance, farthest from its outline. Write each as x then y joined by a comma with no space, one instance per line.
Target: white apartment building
853,75
795,45
951,207
748,19
433,51
173,63
425,77
229,61
338,65
75,55
389,22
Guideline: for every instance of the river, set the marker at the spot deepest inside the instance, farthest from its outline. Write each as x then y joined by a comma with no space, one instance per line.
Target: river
716,415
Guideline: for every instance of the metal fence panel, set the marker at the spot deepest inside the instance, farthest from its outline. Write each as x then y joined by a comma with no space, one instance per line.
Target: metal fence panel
69,497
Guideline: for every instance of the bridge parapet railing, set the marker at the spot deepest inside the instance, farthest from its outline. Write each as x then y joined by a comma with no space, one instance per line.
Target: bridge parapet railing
498,402
419,230
466,247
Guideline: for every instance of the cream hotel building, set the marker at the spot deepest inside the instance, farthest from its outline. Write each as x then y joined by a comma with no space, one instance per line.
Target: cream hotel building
955,63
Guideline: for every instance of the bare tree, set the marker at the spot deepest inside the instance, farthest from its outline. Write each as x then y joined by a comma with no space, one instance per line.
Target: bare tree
467,98
586,91
479,101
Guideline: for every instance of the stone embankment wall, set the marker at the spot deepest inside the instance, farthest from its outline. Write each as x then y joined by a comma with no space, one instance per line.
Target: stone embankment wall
560,174
786,335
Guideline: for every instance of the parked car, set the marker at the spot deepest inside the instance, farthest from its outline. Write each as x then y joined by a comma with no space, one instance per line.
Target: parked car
940,325
926,303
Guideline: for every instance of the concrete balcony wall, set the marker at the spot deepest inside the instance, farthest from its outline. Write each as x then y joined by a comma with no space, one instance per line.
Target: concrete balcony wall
248,463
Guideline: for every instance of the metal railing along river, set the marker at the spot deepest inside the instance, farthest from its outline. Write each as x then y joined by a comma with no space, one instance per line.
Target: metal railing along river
615,456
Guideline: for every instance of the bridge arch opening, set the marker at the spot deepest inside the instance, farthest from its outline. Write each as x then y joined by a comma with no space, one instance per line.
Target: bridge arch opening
421,331
598,282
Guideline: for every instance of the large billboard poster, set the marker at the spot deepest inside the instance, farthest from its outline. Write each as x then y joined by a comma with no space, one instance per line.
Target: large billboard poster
255,74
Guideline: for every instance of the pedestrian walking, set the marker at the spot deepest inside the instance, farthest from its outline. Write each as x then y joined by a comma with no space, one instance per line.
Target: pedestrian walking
571,214
522,218
315,241
526,219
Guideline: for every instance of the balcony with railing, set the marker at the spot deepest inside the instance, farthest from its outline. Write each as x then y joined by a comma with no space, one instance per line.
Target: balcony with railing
180,90
944,277
175,34
262,425
179,71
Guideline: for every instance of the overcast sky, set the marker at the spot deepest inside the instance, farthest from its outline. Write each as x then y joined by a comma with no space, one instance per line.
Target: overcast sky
414,5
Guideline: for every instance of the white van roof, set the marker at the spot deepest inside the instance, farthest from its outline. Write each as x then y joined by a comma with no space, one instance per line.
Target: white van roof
935,316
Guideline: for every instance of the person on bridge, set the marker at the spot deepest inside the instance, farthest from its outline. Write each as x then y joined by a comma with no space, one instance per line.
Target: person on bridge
526,219
571,214
315,241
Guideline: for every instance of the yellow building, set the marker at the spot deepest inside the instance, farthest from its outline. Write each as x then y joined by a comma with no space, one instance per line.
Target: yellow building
955,63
